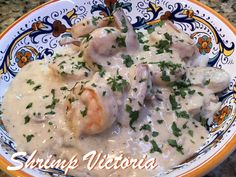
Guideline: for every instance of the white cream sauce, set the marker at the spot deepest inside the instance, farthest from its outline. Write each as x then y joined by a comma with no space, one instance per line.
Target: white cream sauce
36,106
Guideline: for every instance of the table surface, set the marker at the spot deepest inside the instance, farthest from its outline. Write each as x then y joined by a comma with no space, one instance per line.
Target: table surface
227,8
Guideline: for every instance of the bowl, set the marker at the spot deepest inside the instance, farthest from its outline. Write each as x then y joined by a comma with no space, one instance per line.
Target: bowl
38,32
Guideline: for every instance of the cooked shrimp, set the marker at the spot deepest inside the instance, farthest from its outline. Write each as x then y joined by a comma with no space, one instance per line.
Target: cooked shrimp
69,68
214,79
139,84
181,43
91,110
87,26
166,71
123,23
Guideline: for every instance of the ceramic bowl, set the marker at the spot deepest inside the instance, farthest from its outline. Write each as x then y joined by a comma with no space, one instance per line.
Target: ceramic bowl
36,34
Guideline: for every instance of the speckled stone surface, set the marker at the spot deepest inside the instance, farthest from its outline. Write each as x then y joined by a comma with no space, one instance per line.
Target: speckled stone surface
10,10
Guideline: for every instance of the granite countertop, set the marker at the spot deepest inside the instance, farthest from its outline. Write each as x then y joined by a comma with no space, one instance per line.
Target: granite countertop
227,8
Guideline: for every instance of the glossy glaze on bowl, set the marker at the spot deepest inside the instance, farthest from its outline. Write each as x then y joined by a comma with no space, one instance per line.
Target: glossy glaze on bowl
36,35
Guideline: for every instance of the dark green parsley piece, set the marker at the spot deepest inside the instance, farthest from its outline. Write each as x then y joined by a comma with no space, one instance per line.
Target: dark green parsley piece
146,138
37,87
117,83
84,112
160,121
155,147
28,137
174,103
30,82
133,115
27,119
173,143
120,40
182,114
151,30
176,130
190,132
146,127
127,60
29,105
155,134
124,25
207,82
146,48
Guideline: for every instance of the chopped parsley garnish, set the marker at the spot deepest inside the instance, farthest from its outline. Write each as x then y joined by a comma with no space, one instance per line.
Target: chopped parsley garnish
63,88
160,121
124,25
182,114
151,30
29,105
140,37
155,134
155,147
120,40
127,60
37,87
110,31
146,127
95,20
50,113
79,65
174,103
53,103
117,83
190,132
45,96
146,47
203,121
88,37
185,125
84,112
27,119
28,137
163,46
207,82
168,37
157,109
133,115
176,130
30,82
182,88
164,66
81,54
174,144
103,93
146,138
200,93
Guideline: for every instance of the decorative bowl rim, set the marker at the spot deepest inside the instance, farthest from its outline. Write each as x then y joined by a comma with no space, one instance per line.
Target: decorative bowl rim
205,167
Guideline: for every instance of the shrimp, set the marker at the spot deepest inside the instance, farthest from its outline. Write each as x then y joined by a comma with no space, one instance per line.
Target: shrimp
123,23
87,26
139,84
166,71
181,43
69,68
105,42
214,79
90,109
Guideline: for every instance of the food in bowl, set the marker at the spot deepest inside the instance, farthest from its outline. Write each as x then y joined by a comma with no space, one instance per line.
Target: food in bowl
116,90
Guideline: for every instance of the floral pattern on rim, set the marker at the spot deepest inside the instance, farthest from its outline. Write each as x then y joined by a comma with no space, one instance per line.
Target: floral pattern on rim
58,28
204,44
23,57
